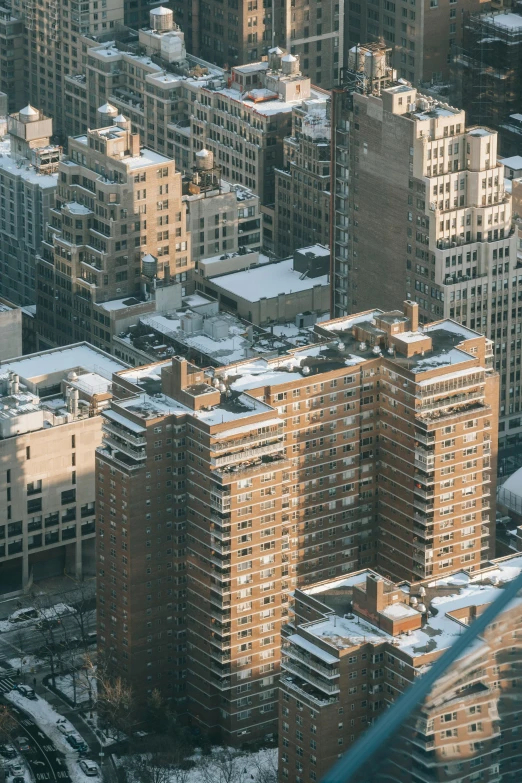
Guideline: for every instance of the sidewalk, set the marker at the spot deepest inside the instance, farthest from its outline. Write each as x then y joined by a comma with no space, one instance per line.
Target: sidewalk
71,713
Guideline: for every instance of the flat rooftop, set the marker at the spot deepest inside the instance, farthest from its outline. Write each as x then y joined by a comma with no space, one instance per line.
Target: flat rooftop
24,169
445,596
267,281
37,366
505,21
514,162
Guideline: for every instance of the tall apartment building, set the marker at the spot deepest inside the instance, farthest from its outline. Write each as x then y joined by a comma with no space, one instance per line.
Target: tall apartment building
360,642
49,429
421,35
181,104
409,165
12,59
487,70
119,221
251,28
28,180
301,213
261,476
53,29
245,123
221,218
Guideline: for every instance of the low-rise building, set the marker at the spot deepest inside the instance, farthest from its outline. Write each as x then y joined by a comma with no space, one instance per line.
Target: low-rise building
206,336
49,430
276,292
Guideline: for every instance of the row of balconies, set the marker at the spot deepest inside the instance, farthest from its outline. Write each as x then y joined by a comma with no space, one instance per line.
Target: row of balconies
294,651
125,448
296,669
230,444
247,454
116,429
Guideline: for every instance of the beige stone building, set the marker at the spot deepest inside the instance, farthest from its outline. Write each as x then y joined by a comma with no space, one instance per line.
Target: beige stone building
360,642
222,218
409,165
118,229
261,476
182,105
49,429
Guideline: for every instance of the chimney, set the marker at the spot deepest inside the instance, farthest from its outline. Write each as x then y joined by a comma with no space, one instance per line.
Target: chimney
411,311
134,145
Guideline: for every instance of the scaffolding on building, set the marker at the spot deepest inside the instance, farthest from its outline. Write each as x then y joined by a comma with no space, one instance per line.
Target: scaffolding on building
487,69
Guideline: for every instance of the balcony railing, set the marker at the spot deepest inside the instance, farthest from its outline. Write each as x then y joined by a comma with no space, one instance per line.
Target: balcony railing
117,460
318,682
307,692
293,651
245,454
126,448
120,432
232,444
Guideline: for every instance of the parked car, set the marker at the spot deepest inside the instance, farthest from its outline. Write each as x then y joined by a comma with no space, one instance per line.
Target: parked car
26,691
16,769
92,637
77,742
23,744
89,767
65,728
18,779
7,751
23,614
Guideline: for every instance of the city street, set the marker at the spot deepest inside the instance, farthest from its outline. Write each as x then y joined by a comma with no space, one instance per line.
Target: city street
45,761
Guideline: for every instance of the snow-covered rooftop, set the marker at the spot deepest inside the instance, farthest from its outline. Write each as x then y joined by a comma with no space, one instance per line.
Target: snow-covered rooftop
452,326
268,281
39,365
514,162
512,484
506,21
24,169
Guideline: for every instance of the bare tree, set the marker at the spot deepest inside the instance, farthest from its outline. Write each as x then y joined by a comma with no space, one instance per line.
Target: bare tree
7,724
86,679
266,769
115,700
152,768
84,613
223,767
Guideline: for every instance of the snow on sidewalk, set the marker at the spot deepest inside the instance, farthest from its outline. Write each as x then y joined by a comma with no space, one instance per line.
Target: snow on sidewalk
85,687
46,717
